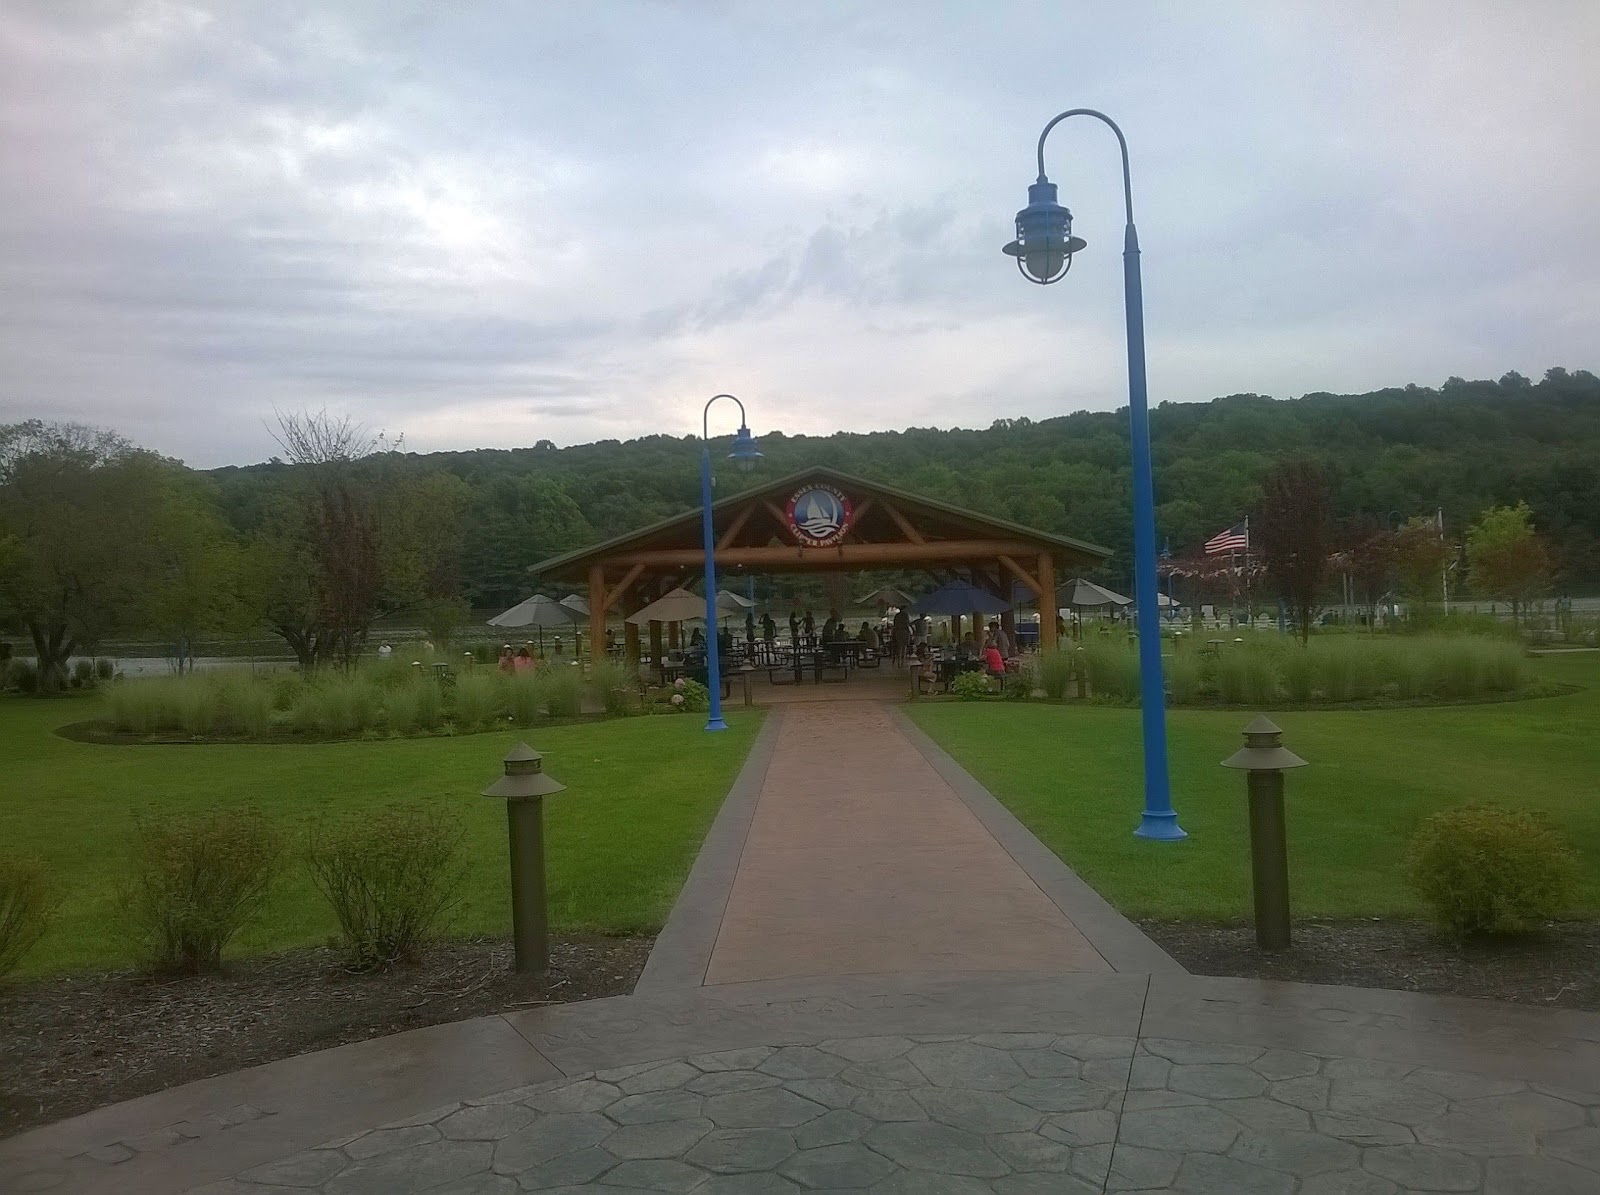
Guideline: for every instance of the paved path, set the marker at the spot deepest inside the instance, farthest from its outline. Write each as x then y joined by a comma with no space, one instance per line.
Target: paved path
861,859
1039,1045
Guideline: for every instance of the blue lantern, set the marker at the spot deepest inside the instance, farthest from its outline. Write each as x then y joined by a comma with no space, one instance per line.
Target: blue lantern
745,454
1044,244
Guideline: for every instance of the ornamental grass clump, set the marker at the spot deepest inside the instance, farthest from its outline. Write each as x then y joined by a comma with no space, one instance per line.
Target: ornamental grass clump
1113,671
1482,869
524,698
195,881
1247,676
1300,670
1185,677
476,698
391,876
615,686
1055,673
560,690
26,908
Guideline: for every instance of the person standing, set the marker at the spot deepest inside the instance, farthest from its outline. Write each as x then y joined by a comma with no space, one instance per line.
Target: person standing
900,636
769,629
1001,640
809,625
794,628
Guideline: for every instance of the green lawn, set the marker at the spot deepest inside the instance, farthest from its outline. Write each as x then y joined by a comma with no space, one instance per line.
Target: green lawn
1073,776
642,794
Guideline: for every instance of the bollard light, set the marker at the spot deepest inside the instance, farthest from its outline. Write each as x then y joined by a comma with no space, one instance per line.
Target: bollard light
1265,757
523,788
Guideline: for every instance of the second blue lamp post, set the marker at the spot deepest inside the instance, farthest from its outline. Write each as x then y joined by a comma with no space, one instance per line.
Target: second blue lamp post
747,456
1043,251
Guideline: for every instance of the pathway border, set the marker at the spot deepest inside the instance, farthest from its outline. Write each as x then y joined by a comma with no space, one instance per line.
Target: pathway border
1120,942
682,949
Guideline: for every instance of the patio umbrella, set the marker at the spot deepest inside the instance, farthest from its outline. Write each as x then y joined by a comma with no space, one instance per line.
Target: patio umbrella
577,603
730,603
537,611
886,595
960,597
677,606
1079,594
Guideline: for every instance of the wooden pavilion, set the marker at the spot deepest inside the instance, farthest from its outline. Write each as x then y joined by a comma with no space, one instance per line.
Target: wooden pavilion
818,520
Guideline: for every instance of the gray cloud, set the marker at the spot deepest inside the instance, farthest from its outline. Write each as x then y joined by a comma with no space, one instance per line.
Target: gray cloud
496,223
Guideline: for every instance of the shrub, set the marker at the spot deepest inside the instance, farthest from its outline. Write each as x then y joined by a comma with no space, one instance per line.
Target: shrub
696,697
24,677
390,877
1112,669
970,686
26,907
286,690
430,703
82,674
1481,869
196,881
104,670
1184,677
1246,676
477,701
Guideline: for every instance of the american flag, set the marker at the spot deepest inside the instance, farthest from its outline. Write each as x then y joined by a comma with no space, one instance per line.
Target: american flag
1234,539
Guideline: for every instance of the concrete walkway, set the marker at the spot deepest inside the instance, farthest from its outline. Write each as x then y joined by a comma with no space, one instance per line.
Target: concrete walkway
852,845
975,1019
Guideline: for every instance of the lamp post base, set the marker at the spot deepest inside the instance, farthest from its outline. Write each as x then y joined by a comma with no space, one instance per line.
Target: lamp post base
1160,826
716,723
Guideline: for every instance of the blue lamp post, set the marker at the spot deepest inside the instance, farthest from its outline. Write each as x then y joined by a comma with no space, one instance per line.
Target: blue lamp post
747,456
1043,251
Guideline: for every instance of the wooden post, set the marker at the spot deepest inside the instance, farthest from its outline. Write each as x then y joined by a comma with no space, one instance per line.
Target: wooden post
672,636
597,613
630,631
1047,603
955,630
655,643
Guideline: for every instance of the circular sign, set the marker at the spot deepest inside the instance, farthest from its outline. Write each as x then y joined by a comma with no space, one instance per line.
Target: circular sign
819,516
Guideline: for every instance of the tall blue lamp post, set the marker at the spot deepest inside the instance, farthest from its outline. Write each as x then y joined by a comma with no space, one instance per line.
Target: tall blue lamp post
1043,251
747,456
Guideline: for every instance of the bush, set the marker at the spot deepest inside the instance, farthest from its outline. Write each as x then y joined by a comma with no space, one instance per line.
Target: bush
1300,671
82,674
696,697
104,670
390,877
24,677
196,881
970,686
1112,669
1481,869
1247,676
26,907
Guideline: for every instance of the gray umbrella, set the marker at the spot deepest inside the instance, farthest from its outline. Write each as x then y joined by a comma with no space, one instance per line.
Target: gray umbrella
537,611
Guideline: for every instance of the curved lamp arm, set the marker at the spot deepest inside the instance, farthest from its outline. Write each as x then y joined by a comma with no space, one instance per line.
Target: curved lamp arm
705,415
1127,180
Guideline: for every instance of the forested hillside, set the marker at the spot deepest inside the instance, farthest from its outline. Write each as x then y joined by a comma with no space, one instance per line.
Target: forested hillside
1463,447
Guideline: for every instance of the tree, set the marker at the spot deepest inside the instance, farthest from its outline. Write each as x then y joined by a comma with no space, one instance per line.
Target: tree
1370,562
357,535
1506,558
194,587
1421,554
82,512
1290,528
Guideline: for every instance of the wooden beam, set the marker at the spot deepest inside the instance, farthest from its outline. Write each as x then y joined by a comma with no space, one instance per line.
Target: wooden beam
840,556
862,510
621,586
778,517
900,521
1022,575
1047,602
597,613
739,520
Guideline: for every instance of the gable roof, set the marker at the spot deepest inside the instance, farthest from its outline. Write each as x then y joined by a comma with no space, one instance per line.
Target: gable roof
684,529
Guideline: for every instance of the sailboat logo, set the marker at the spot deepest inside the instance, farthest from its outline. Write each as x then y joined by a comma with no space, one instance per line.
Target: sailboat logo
819,516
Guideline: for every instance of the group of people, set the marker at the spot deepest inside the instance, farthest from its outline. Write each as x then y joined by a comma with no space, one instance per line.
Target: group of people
522,659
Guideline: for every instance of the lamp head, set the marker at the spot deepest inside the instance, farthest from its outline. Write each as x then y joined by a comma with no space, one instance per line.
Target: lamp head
1044,244
745,454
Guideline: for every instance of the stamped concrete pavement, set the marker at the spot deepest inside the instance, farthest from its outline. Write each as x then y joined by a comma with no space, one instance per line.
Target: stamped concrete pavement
940,1063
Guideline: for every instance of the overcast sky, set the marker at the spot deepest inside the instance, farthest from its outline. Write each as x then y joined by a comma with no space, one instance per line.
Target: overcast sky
484,224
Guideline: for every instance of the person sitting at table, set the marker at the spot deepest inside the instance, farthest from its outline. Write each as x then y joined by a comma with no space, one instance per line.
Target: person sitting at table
868,636
697,638
969,646
993,662
829,628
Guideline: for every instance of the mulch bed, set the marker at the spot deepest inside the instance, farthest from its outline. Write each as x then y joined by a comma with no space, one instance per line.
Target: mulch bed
1556,968
72,1043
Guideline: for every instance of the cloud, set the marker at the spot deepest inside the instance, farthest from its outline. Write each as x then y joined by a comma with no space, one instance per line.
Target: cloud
498,223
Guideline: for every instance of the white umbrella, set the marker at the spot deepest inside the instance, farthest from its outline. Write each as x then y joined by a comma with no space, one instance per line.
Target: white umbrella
1079,593
537,611
732,603
677,606
577,603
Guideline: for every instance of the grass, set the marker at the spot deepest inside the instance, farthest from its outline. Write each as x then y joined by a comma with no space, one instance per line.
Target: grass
642,793
1073,776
